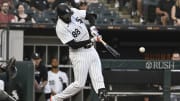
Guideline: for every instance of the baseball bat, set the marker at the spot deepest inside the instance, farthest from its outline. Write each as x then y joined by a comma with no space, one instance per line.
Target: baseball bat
110,49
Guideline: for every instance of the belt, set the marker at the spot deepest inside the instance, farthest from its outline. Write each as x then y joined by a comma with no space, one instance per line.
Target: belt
88,46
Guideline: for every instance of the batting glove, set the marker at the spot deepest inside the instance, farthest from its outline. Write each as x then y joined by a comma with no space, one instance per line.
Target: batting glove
94,31
97,38
53,98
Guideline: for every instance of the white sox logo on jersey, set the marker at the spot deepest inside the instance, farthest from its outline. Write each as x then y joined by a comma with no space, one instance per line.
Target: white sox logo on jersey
52,82
79,20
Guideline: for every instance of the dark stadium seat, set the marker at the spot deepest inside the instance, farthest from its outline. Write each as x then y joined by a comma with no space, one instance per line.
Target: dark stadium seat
118,21
51,15
29,11
96,5
96,8
109,13
98,22
126,21
105,16
42,17
14,11
106,21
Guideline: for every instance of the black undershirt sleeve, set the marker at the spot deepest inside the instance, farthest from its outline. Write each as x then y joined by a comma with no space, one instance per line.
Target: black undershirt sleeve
76,45
91,18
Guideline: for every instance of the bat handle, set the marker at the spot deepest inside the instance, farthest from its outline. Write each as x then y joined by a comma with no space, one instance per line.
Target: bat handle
103,42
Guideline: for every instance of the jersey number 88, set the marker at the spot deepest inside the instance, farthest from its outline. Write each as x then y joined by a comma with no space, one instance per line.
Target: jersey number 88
76,33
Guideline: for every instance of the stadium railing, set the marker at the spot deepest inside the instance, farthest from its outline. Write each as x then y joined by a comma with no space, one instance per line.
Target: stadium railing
141,72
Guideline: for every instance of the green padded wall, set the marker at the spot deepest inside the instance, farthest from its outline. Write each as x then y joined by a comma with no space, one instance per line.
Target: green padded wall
24,80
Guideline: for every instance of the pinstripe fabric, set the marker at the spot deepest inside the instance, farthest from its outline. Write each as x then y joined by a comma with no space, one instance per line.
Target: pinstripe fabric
95,72
84,63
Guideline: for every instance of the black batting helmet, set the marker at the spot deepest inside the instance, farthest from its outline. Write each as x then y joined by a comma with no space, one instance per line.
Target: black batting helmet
63,9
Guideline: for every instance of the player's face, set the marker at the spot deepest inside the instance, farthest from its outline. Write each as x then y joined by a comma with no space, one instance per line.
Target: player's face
83,6
176,56
67,18
54,63
36,62
21,9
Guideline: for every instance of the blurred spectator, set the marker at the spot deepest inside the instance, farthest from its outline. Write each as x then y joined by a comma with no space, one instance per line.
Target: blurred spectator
176,57
140,11
40,76
5,16
163,11
112,2
57,80
51,4
76,3
133,7
22,17
146,10
175,13
122,3
83,6
10,2
116,5
136,8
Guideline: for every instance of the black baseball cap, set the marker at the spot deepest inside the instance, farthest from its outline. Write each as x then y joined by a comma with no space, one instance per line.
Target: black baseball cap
35,56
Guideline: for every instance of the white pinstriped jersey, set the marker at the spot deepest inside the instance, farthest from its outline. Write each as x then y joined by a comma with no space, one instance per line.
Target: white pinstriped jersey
76,29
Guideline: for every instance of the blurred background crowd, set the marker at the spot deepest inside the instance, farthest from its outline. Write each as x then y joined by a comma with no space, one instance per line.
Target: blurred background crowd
113,12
